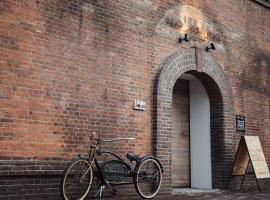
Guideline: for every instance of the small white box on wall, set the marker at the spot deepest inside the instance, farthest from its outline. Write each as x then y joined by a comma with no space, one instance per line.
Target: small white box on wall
139,105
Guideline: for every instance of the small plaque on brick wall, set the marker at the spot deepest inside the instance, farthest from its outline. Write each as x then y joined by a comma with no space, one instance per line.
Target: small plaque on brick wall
240,123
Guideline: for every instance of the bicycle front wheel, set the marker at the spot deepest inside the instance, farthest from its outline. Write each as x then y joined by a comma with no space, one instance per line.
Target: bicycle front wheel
77,179
148,178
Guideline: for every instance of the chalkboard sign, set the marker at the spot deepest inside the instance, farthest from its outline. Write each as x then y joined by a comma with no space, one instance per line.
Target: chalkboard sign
257,157
241,159
250,149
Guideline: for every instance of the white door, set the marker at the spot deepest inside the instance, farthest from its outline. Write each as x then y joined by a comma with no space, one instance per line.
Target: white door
200,146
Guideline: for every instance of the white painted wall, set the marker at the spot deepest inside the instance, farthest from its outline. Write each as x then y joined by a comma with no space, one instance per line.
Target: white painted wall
200,145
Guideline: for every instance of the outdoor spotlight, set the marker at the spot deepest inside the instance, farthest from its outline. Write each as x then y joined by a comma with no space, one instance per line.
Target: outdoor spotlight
212,46
183,38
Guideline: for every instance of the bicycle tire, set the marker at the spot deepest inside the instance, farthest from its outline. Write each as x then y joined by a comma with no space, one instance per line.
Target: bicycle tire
80,171
144,179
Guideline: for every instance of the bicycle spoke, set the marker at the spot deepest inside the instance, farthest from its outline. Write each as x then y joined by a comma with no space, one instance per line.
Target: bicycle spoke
83,182
70,185
77,180
148,178
73,190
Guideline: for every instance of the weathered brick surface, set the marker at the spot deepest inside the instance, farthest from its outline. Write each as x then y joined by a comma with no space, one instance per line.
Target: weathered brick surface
71,67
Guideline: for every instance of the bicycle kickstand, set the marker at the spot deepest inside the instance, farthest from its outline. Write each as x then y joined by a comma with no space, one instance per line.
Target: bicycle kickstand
101,189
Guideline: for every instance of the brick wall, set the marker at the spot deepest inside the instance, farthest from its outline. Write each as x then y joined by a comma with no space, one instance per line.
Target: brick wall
71,67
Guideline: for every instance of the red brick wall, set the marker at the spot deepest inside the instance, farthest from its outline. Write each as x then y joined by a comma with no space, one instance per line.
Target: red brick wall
71,67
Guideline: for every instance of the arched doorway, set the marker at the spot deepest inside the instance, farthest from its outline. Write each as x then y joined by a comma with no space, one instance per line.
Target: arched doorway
211,76
191,133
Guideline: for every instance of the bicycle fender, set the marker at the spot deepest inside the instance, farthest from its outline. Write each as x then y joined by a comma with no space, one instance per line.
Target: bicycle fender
153,157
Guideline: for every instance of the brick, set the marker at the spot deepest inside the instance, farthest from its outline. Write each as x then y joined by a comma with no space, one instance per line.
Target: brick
68,68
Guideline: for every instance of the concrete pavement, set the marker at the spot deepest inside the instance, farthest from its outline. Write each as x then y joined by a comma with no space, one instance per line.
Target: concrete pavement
220,195
216,195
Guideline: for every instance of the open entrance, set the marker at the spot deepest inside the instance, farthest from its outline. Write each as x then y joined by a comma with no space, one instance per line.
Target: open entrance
211,81
191,141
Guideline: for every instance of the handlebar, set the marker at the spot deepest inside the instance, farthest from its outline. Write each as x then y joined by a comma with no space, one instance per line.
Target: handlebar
95,137
116,139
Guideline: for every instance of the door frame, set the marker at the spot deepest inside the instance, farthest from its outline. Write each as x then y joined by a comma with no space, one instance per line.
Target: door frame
208,71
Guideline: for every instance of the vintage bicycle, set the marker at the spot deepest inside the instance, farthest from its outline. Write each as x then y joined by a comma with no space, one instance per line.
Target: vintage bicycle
144,172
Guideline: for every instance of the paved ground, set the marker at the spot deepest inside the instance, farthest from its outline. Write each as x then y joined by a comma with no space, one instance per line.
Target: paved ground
218,195
221,195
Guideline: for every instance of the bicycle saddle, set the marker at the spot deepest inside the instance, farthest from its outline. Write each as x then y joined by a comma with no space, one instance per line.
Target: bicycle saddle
133,157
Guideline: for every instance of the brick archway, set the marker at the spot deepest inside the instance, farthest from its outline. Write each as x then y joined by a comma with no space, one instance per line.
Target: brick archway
210,73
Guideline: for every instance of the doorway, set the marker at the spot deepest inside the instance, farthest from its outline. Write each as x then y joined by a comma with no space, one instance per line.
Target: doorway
191,141
205,68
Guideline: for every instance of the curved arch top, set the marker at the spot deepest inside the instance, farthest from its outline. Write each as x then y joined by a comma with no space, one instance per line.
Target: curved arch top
186,60
171,69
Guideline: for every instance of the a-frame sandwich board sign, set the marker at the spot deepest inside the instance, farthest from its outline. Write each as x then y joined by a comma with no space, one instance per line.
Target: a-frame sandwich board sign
250,149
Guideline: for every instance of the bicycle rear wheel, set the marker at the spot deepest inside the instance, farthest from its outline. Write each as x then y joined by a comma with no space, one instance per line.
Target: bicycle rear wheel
148,178
77,179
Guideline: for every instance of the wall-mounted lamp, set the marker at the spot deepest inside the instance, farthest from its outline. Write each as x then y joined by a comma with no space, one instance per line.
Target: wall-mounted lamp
184,38
210,46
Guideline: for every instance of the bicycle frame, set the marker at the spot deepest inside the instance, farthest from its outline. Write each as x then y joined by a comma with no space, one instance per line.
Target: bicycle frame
96,152
111,170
